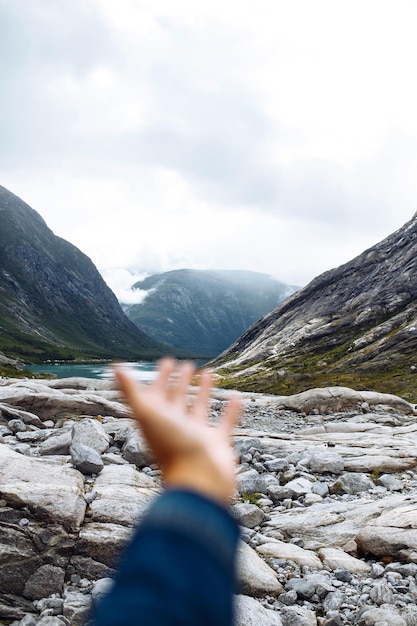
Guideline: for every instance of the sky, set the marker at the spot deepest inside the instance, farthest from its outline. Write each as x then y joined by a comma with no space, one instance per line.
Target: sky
278,136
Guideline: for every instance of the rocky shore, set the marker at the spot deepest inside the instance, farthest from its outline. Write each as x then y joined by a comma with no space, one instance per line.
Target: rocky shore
326,498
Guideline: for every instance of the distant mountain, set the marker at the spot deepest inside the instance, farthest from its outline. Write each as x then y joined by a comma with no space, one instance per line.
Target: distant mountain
204,310
354,326
53,302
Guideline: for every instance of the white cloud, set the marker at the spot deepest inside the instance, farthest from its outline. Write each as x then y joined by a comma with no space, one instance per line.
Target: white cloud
154,135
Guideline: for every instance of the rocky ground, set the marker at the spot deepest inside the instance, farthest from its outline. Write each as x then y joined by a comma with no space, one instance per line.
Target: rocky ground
326,497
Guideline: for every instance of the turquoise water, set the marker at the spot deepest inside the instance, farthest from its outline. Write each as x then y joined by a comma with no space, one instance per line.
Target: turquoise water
145,369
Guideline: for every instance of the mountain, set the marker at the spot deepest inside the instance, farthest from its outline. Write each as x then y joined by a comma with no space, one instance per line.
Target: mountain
53,302
204,310
354,326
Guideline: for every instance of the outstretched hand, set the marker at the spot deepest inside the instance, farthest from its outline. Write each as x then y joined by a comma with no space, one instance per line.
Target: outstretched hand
191,453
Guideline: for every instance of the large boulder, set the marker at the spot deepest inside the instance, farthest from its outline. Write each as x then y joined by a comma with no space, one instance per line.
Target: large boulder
51,491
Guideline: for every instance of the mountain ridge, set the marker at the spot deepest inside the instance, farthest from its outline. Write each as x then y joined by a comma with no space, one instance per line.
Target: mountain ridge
354,325
204,310
53,301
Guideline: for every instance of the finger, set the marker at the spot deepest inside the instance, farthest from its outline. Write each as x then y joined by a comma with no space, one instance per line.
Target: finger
131,389
201,404
231,415
165,368
185,373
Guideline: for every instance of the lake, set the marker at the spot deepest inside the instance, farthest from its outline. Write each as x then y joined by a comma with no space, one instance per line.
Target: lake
145,370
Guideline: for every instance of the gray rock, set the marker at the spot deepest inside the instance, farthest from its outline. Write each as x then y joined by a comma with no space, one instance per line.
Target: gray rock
289,598
251,482
297,616
16,425
248,515
383,616
324,461
390,482
28,620
123,494
50,620
52,491
101,588
381,593
76,608
45,581
277,465
85,459
90,433
250,612
102,542
351,483
56,444
135,451
255,577
299,487
306,587
333,601
320,488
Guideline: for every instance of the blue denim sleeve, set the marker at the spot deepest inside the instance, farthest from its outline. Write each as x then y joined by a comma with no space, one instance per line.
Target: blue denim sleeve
179,568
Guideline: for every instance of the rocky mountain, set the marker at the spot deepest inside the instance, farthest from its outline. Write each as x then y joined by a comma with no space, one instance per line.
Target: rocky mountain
355,325
204,310
53,302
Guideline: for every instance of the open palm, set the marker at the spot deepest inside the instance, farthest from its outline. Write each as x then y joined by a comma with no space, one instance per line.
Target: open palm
191,453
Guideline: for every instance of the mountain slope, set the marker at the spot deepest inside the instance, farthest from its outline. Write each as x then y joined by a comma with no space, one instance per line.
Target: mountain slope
204,310
355,325
53,301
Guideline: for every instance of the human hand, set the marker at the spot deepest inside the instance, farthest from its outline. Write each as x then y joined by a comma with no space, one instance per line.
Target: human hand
191,453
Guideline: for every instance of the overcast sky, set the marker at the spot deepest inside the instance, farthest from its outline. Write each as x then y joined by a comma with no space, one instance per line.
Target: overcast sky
278,135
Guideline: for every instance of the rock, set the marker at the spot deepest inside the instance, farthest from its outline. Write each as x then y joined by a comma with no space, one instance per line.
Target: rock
333,601
16,425
50,620
390,482
381,593
47,403
291,552
76,608
250,612
90,433
19,559
56,444
85,459
393,533
306,587
101,588
320,488
333,558
123,494
45,581
255,577
383,616
299,487
54,492
352,483
135,451
297,616
323,461
102,542
248,515
277,465
250,482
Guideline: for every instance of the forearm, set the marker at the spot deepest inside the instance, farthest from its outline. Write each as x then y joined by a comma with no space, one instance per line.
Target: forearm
179,568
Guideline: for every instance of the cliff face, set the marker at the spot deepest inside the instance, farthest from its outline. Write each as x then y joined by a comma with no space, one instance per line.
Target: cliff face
53,301
354,325
204,311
